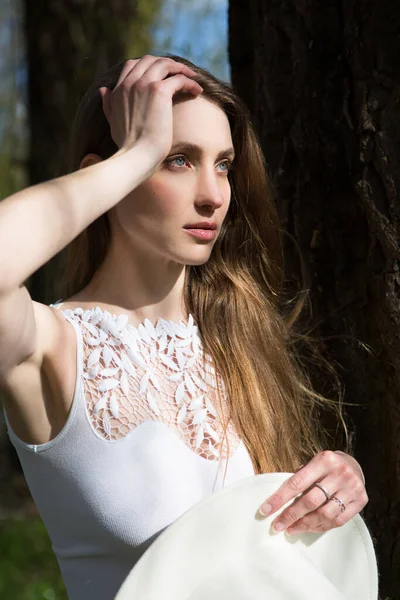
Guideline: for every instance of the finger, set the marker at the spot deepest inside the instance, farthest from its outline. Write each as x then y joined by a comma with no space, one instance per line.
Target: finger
342,482
105,98
328,517
151,68
140,66
352,498
161,68
318,467
179,83
310,501
128,66
157,72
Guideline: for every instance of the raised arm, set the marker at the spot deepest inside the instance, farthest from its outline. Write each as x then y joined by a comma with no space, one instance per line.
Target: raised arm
38,222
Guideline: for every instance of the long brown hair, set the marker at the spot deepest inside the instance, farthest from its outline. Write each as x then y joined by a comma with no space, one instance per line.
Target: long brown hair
236,297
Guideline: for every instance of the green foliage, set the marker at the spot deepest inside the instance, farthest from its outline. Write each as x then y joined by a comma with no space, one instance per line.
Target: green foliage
28,567
139,36
12,175
13,136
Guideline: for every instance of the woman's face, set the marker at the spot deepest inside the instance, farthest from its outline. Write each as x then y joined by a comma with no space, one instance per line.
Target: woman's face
190,186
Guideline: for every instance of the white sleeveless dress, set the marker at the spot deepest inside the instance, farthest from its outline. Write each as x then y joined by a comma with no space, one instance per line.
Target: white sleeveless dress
142,445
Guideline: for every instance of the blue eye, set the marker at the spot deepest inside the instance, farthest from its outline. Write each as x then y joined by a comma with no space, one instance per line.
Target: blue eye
226,164
173,162
182,158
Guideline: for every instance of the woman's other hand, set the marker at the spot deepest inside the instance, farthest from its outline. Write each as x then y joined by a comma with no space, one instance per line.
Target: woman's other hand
140,105
342,479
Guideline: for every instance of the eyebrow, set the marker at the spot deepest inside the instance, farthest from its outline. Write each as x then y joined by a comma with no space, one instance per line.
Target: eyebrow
198,151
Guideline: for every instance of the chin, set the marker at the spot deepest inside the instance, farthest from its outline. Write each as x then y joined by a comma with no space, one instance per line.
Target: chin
196,262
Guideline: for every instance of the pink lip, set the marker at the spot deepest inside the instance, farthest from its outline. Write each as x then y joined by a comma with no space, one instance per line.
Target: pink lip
203,234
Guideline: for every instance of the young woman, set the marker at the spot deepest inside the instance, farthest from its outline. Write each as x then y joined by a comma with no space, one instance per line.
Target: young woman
169,354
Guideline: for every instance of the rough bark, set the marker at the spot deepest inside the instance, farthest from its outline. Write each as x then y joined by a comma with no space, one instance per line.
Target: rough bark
322,80
69,43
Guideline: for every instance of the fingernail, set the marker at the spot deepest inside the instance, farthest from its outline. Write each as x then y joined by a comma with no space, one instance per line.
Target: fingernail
278,527
265,510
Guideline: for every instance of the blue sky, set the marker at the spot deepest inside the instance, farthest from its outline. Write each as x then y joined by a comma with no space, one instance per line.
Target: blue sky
196,29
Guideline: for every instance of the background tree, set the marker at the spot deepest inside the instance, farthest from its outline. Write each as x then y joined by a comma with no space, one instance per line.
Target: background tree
322,80
12,100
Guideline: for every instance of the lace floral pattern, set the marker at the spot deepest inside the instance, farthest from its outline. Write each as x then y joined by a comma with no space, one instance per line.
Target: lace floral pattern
159,373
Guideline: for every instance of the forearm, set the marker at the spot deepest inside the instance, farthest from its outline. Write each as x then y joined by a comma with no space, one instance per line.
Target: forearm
38,222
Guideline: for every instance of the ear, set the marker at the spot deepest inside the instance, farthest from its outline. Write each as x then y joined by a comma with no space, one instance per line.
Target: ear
90,159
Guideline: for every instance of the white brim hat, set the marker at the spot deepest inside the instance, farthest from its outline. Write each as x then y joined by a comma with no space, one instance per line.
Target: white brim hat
222,549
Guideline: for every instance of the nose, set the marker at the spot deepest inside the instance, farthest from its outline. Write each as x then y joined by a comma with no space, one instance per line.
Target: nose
212,189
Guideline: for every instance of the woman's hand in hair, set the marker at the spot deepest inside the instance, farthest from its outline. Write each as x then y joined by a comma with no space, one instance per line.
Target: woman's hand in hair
341,477
139,108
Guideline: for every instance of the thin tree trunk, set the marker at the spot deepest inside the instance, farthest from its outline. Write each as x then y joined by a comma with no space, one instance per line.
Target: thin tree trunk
322,80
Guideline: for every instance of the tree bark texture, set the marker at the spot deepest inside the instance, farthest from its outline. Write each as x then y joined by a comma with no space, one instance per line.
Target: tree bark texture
322,80
69,43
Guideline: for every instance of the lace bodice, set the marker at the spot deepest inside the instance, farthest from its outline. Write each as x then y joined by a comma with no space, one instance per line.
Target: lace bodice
159,373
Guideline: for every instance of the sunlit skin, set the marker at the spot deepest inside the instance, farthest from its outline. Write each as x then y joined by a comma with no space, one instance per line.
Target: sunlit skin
144,275
144,270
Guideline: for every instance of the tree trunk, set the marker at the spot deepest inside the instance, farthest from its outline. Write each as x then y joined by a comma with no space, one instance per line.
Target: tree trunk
69,43
322,80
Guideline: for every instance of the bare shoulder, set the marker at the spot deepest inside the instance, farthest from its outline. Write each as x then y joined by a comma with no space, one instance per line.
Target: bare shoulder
51,328
38,392
52,332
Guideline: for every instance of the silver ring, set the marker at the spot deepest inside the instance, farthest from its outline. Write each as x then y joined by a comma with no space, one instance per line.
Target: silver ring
321,487
342,506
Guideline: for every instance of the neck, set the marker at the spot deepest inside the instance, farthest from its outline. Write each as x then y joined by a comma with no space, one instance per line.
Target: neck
147,286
